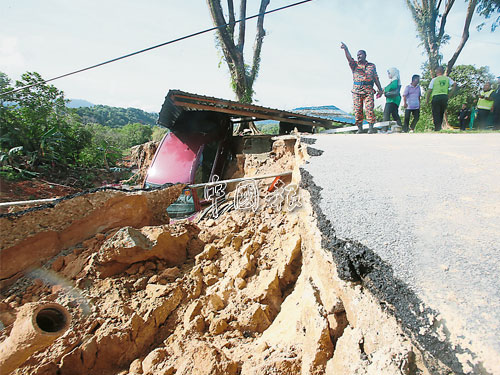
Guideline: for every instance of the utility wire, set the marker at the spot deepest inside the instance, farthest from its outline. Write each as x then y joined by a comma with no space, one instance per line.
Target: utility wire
153,47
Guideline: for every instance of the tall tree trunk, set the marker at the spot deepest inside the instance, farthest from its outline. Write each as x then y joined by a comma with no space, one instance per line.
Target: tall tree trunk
242,77
465,36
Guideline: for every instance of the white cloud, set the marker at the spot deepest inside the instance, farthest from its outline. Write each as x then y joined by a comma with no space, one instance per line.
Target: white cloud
10,55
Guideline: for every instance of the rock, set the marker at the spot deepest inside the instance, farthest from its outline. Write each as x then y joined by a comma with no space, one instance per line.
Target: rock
211,269
58,264
153,279
266,289
208,253
210,280
236,242
217,326
240,283
203,359
152,359
197,324
133,269
193,310
57,288
130,245
215,303
135,367
170,273
254,319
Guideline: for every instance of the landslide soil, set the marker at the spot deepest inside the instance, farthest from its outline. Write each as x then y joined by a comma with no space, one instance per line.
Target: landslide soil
247,293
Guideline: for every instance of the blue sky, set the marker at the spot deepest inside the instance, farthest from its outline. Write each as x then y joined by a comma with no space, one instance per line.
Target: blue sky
302,63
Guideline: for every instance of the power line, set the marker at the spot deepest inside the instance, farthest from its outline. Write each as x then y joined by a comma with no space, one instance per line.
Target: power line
153,47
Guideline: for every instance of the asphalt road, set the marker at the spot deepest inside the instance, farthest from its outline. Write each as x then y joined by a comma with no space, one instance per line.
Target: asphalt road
428,205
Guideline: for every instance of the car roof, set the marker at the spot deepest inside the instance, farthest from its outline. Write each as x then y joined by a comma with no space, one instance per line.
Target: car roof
176,158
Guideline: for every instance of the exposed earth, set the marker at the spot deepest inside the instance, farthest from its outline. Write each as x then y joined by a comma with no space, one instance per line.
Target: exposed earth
246,293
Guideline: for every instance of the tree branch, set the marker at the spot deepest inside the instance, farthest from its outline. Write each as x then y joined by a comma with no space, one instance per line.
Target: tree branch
230,7
241,36
258,41
465,35
228,47
447,9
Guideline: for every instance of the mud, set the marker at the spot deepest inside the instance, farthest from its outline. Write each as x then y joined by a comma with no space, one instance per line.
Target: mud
265,292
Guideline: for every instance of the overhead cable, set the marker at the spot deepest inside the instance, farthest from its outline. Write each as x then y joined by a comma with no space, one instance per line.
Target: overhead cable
154,47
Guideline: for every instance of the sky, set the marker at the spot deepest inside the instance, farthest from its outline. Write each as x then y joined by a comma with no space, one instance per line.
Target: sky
302,63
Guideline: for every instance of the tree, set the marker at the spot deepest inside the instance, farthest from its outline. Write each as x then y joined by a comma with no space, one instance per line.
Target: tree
242,75
470,81
430,17
36,121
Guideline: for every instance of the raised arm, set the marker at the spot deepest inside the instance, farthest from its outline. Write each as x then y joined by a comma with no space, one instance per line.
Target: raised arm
347,53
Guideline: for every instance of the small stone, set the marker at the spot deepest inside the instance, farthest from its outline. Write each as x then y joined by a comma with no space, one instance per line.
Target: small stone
237,241
133,269
170,273
208,253
210,223
240,283
211,280
217,326
58,264
100,236
197,324
211,269
193,310
215,302
38,282
153,279
135,367
57,288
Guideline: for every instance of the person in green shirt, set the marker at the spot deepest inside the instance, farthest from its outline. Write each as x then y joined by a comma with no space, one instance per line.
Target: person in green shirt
439,88
393,97
485,106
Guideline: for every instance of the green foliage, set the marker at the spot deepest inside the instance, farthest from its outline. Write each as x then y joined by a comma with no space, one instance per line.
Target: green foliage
37,119
268,126
40,135
158,133
470,81
487,8
134,134
115,117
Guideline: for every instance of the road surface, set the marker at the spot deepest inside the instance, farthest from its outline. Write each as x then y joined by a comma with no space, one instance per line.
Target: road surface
425,211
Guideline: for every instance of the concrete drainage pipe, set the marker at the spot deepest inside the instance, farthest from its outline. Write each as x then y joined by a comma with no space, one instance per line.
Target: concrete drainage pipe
36,327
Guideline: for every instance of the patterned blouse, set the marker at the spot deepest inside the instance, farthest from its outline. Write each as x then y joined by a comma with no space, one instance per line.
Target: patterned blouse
364,77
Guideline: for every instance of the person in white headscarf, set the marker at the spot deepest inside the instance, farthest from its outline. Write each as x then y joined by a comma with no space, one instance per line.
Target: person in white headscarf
393,97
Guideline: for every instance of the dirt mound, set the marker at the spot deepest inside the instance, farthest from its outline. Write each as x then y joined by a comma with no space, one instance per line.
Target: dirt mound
248,293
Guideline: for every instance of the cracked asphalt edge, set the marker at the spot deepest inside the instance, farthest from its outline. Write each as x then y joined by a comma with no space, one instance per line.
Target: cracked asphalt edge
357,263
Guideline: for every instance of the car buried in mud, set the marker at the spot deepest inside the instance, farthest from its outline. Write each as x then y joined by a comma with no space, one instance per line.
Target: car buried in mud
200,143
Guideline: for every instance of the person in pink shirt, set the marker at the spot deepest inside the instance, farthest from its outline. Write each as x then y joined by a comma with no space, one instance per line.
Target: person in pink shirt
411,103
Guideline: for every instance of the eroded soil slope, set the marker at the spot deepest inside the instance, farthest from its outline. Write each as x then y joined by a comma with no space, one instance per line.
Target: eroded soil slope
248,293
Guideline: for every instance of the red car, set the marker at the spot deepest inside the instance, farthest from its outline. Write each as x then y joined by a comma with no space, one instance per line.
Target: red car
188,158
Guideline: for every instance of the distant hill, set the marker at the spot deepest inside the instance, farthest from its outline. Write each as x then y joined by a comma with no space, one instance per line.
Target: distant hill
77,103
115,116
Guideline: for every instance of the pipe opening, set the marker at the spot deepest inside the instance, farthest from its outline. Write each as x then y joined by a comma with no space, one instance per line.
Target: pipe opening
51,320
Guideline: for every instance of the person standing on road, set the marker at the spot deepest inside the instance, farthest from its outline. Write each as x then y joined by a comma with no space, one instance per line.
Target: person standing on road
496,106
364,76
411,103
464,117
393,97
439,88
484,106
